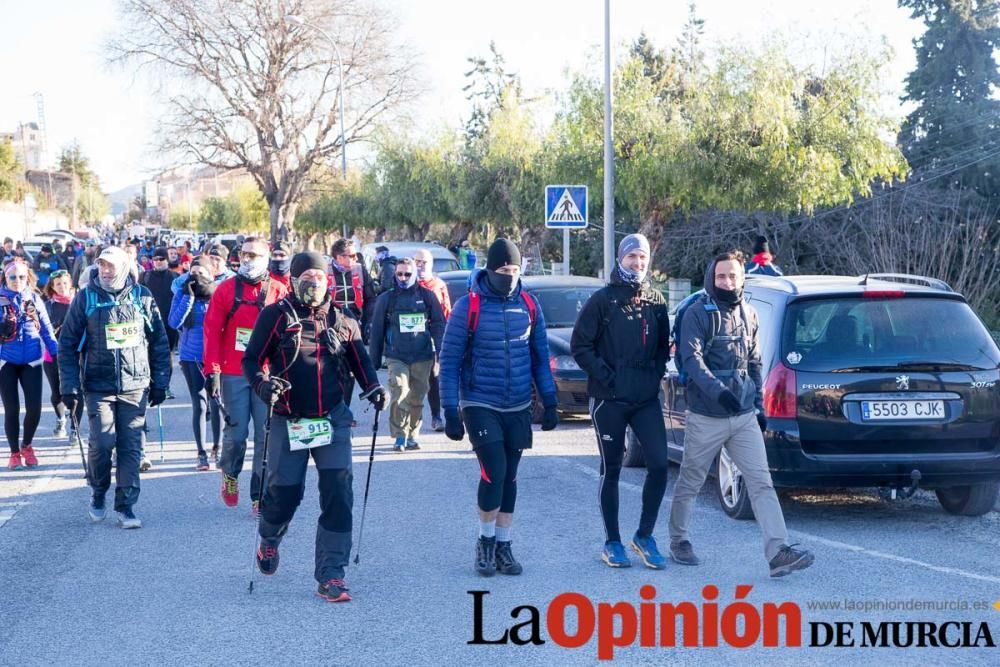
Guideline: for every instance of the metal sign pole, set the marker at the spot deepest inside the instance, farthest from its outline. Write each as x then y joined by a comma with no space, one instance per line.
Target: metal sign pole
566,270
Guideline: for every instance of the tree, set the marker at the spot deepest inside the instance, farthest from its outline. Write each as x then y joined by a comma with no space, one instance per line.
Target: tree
951,134
73,161
260,93
243,210
11,177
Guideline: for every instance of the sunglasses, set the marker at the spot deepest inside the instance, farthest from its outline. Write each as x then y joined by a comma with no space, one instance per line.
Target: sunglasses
249,255
17,276
403,275
59,273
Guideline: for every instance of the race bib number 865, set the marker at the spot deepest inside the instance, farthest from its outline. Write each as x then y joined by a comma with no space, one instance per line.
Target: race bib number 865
123,335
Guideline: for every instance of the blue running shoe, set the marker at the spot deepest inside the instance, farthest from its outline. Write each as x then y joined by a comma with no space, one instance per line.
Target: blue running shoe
614,555
400,444
646,548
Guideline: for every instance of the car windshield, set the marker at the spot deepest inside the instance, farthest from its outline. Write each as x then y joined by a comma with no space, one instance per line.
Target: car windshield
913,333
561,305
442,264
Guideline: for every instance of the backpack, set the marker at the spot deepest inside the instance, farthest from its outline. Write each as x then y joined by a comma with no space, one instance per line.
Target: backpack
92,304
392,304
716,318
238,299
472,321
9,315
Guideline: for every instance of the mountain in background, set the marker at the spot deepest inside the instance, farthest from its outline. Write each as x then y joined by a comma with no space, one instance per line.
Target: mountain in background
120,198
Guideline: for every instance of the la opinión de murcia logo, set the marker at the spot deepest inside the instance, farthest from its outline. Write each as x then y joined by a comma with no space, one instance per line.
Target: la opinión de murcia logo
706,624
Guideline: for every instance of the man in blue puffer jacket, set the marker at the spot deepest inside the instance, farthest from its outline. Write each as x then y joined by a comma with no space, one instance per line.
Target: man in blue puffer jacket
489,373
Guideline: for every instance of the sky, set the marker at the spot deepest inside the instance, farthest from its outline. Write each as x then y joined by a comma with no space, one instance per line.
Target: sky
55,47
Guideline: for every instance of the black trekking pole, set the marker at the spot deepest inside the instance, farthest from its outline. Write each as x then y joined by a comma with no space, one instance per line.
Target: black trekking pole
368,483
79,442
260,500
222,410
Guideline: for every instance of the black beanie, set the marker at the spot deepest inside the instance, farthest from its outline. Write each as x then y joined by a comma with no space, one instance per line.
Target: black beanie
304,261
502,253
761,245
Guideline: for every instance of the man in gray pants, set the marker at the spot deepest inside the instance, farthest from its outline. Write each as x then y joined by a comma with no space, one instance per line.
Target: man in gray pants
718,348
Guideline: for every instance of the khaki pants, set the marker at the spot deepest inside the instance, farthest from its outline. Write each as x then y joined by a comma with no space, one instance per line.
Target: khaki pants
703,439
408,385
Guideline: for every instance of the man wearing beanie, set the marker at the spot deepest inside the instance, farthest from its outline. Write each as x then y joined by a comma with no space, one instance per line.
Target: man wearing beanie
281,262
762,263
292,362
622,341
407,327
160,283
115,326
495,351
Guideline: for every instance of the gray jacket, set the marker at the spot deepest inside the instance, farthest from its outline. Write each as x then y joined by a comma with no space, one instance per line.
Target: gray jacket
731,361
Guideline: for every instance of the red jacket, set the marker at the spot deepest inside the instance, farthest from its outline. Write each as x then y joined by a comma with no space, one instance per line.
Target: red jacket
440,290
222,354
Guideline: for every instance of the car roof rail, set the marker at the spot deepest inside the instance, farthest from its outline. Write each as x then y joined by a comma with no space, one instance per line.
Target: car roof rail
792,287
908,278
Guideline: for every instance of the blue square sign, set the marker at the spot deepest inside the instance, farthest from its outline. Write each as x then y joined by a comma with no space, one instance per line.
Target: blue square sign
566,206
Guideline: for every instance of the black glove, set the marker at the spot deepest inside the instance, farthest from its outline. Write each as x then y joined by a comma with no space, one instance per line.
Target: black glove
453,426
213,384
550,418
70,401
728,400
157,396
270,390
188,287
377,399
762,422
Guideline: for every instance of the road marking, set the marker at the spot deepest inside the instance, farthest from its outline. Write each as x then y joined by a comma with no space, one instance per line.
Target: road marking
835,544
40,485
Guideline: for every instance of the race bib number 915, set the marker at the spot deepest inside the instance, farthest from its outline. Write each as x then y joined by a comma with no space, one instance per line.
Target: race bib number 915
309,433
123,335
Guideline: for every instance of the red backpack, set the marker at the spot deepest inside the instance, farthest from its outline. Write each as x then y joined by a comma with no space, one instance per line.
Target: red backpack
472,322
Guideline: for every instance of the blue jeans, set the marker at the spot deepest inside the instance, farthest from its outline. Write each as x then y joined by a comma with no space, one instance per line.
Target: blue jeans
242,404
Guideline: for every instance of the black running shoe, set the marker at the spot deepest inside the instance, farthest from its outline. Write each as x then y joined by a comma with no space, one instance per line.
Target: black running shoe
789,559
267,558
486,556
506,563
334,590
202,461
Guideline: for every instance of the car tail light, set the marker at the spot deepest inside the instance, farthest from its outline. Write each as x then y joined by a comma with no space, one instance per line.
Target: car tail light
883,294
780,394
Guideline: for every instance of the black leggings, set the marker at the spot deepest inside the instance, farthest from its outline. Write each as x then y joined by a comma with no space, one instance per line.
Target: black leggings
30,379
201,408
434,396
497,477
52,374
646,419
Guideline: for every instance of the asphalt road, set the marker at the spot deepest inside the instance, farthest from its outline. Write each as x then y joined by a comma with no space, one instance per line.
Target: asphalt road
175,592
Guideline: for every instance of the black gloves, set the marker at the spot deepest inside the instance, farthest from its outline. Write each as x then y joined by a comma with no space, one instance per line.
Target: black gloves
728,400
270,390
453,426
156,396
188,286
70,401
762,422
213,384
377,399
550,418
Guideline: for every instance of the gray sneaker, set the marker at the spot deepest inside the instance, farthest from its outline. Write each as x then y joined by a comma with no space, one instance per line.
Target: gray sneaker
128,520
60,430
682,552
789,559
97,511
146,465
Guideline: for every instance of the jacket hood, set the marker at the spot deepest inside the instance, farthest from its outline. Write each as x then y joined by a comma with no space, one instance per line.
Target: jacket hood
95,280
482,286
710,280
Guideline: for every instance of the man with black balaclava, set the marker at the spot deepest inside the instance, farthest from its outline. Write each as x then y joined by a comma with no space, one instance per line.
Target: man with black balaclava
114,334
281,263
718,349
407,328
293,361
232,313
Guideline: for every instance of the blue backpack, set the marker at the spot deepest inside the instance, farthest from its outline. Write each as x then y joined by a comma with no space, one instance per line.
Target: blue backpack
93,304
711,309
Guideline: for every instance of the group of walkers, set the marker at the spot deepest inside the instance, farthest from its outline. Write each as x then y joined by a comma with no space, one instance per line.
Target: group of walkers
283,341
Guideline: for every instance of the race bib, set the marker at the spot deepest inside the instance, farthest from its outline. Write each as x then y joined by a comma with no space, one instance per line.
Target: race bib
242,338
309,433
124,335
412,322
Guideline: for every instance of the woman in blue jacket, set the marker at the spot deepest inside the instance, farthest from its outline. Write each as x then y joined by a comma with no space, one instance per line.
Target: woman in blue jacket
494,350
187,315
23,329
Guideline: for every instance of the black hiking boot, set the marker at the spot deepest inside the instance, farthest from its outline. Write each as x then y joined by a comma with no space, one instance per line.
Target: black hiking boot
506,563
486,556
334,590
788,560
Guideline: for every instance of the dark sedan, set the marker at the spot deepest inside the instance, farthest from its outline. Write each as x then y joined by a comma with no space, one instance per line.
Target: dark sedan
561,298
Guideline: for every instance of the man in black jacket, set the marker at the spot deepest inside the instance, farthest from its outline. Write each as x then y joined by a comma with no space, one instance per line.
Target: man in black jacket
622,341
114,329
407,327
159,282
302,341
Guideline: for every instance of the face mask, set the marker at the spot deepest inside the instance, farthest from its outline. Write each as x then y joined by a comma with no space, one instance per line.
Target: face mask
502,284
408,283
728,295
253,269
280,266
629,276
423,272
117,283
309,293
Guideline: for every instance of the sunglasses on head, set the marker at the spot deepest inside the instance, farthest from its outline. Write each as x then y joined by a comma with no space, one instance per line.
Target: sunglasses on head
59,273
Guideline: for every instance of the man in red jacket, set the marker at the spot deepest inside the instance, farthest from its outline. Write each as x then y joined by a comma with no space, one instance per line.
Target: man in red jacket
425,276
229,321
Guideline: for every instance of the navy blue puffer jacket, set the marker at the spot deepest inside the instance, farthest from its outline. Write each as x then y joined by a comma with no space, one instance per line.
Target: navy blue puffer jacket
508,355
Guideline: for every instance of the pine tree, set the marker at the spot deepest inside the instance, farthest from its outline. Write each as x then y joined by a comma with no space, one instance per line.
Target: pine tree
951,135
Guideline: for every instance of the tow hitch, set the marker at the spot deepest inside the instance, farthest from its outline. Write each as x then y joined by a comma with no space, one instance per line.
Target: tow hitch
895,493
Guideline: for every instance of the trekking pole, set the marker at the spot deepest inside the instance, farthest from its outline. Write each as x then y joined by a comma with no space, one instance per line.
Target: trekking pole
79,442
263,487
222,410
159,418
368,482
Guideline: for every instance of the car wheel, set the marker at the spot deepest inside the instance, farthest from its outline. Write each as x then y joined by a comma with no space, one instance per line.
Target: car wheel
731,488
972,500
634,458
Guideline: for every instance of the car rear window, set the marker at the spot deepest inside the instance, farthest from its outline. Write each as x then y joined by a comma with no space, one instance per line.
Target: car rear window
847,334
561,306
442,264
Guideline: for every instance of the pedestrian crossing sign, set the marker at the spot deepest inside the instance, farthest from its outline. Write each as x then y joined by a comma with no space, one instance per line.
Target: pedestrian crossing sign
566,206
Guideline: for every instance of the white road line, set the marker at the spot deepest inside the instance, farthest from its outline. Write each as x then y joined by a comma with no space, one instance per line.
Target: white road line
40,485
835,544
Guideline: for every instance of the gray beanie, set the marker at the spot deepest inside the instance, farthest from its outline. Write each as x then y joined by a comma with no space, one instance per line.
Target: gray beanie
632,242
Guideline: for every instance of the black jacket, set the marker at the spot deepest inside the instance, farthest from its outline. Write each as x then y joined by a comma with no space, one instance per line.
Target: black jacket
622,341
112,371
388,339
159,282
308,361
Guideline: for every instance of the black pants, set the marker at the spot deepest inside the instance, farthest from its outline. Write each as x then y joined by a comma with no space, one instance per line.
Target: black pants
646,419
172,337
52,374
30,380
202,409
498,439
434,396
